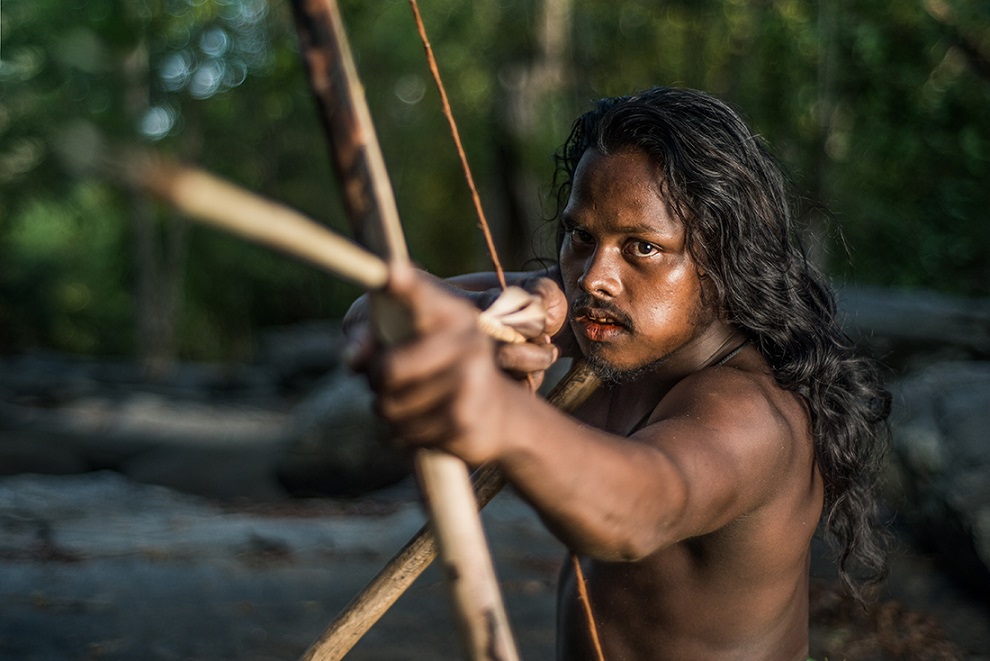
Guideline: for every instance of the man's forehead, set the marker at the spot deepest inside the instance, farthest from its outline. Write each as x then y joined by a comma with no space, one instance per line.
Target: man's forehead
593,156
627,180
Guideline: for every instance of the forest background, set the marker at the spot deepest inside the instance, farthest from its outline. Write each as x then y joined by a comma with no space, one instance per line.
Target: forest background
879,109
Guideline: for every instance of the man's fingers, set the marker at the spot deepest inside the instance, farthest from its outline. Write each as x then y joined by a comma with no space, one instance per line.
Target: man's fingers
520,310
400,405
422,431
428,357
554,303
526,358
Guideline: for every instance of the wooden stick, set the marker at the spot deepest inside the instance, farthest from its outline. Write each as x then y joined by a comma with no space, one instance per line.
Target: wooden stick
406,566
216,202
368,197
212,201
357,159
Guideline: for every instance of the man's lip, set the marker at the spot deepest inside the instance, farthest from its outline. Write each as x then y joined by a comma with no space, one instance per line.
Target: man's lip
597,320
599,316
599,324
597,331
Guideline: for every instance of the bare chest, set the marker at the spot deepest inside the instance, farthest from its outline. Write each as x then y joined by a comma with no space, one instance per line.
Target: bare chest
711,598
618,410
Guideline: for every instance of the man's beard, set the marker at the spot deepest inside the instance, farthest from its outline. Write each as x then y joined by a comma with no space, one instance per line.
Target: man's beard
608,372
611,375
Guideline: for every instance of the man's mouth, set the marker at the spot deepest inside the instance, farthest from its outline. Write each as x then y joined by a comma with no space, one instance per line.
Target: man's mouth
599,323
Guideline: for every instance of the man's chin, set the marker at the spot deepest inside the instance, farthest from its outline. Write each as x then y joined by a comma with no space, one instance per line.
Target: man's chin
613,374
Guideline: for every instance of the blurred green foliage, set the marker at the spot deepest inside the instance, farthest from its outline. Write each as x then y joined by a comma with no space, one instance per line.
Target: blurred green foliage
878,109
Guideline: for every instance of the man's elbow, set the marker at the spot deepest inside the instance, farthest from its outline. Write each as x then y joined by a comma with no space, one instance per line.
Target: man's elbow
645,542
644,536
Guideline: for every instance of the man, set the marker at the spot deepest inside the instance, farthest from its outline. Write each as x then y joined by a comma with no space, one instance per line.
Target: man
734,411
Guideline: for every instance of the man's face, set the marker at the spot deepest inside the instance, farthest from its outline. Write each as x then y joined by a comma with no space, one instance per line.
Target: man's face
633,289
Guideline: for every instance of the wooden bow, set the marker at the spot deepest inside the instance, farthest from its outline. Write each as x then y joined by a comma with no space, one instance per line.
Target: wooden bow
329,63
371,209
370,205
202,196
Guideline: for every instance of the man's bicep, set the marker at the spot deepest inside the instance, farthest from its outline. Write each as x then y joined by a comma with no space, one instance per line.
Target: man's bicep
727,458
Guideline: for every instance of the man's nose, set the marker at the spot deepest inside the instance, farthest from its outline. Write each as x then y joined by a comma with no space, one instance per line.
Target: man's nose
601,274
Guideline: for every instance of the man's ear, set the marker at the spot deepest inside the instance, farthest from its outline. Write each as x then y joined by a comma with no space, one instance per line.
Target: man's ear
710,292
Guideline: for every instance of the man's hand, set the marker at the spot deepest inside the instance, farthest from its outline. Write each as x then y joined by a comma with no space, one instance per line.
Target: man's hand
535,307
442,388
527,312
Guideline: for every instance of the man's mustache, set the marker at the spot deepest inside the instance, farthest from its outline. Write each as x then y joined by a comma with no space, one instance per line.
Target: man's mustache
585,303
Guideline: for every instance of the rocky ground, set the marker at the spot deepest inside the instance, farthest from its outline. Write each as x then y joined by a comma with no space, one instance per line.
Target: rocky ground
97,566
148,524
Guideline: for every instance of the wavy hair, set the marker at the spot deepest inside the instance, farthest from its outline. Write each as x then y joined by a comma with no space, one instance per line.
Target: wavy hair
725,186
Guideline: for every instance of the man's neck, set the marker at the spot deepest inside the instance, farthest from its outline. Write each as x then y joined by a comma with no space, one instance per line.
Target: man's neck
633,401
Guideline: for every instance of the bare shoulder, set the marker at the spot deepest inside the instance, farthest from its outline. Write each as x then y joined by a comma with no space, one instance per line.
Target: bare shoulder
742,440
743,398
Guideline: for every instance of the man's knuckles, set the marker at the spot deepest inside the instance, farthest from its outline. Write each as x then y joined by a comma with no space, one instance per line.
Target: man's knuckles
437,310
525,358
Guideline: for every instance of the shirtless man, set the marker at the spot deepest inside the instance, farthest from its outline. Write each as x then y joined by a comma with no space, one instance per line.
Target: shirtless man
733,409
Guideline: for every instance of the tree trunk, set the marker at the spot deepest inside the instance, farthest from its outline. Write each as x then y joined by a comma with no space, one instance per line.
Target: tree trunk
817,223
527,87
159,247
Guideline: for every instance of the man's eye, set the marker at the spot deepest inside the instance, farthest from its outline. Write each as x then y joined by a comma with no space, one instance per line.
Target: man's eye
643,248
580,236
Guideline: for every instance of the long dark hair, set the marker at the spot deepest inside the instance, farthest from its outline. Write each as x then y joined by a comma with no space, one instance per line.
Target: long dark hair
721,180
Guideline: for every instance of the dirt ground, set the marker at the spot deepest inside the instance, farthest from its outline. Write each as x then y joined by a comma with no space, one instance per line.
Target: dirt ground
97,566
191,549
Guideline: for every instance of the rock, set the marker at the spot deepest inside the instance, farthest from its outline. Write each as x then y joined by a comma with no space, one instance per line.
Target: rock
300,355
96,566
339,447
205,430
912,327
194,443
52,379
941,462
225,473
22,452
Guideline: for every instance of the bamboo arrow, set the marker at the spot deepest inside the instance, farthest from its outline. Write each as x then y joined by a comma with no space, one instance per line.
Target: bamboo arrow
208,199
